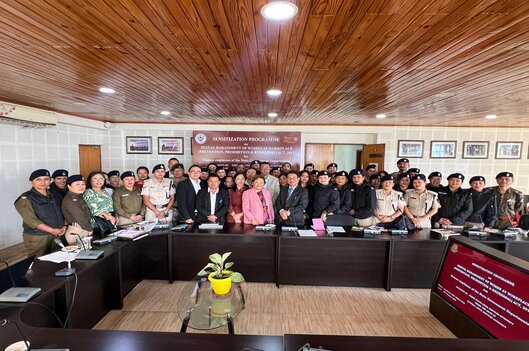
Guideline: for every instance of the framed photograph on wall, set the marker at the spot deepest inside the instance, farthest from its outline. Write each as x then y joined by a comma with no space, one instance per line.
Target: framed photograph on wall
410,148
475,149
138,145
508,149
443,149
171,145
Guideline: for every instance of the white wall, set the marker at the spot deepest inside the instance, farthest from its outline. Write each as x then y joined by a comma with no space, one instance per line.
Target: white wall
23,150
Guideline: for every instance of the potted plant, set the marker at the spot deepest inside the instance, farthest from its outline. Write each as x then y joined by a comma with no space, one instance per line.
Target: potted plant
219,275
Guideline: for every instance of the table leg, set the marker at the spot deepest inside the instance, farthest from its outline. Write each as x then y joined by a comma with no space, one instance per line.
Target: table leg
231,330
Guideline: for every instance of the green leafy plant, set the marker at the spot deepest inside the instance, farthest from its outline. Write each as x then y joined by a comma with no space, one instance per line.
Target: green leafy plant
220,268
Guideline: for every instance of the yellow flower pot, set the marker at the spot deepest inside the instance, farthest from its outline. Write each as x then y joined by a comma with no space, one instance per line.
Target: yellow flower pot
220,286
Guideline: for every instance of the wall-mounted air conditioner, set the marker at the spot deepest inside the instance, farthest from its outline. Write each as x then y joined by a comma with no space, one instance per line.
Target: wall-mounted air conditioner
26,116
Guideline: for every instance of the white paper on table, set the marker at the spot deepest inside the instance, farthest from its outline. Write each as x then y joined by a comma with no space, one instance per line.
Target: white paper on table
335,229
307,232
59,256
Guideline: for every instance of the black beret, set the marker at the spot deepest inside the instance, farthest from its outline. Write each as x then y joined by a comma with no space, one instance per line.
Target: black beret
332,165
504,174
402,175
60,173
39,173
419,176
414,170
435,174
356,171
403,160
323,173
314,172
309,164
341,173
371,167
127,174
476,178
204,169
113,173
74,178
178,165
456,175
232,169
276,169
375,176
157,167
255,162
387,177
220,168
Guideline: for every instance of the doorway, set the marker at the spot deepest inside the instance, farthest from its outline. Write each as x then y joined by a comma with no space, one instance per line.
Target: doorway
89,159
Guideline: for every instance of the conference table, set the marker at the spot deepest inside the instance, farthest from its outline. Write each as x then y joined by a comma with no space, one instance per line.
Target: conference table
340,259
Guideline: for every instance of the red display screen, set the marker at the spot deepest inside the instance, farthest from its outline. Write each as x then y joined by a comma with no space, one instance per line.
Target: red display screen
493,294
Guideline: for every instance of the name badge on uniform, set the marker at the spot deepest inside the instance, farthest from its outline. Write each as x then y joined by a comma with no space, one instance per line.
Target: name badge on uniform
123,195
74,199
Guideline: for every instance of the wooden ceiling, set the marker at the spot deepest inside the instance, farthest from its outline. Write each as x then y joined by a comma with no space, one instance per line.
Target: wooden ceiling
421,62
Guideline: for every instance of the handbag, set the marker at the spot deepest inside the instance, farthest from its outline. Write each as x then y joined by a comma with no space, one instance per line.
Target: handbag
105,225
400,223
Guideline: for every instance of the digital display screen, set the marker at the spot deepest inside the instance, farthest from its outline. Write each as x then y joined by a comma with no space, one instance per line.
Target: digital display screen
493,294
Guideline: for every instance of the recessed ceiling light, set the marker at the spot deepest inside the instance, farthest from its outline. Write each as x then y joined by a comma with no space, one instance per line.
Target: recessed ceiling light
279,10
272,115
490,116
274,92
107,90
165,113
380,115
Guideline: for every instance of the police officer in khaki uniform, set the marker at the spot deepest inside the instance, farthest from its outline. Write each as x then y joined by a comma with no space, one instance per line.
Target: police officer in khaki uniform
402,164
128,201
41,213
158,195
74,208
508,200
421,204
390,204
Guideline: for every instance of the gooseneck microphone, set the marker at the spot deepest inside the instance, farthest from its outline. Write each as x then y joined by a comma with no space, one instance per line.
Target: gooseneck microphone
67,271
80,240
5,322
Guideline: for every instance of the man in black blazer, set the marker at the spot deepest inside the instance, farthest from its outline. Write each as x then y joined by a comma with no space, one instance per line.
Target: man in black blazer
291,202
186,194
212,202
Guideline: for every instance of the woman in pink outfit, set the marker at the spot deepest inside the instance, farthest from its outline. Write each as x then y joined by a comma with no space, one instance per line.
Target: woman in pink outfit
257,204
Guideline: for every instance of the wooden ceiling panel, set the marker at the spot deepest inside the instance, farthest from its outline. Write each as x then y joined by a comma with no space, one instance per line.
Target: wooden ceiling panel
425,62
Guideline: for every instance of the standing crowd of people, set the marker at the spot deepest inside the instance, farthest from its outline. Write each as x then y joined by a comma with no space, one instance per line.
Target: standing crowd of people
60,205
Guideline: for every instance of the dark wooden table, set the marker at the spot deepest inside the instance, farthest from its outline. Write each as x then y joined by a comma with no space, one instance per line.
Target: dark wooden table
104,340
343,259
372,343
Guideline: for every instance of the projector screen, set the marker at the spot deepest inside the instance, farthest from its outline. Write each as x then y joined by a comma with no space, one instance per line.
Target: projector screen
493,294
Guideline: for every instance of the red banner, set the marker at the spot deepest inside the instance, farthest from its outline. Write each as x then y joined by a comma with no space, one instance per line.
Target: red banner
493,294
230,148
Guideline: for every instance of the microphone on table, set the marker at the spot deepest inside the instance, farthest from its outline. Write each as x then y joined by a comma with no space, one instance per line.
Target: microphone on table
9,271
80,240
67,270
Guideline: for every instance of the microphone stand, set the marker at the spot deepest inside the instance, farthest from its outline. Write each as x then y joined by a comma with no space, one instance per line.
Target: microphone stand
67,271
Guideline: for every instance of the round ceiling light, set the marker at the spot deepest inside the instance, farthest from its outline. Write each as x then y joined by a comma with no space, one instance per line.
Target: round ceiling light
381,115
272,115
165,113
107,90
490,116
274,92
279,10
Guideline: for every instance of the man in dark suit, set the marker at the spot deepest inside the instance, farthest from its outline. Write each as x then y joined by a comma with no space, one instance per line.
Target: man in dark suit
292,201
186,194
212,202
